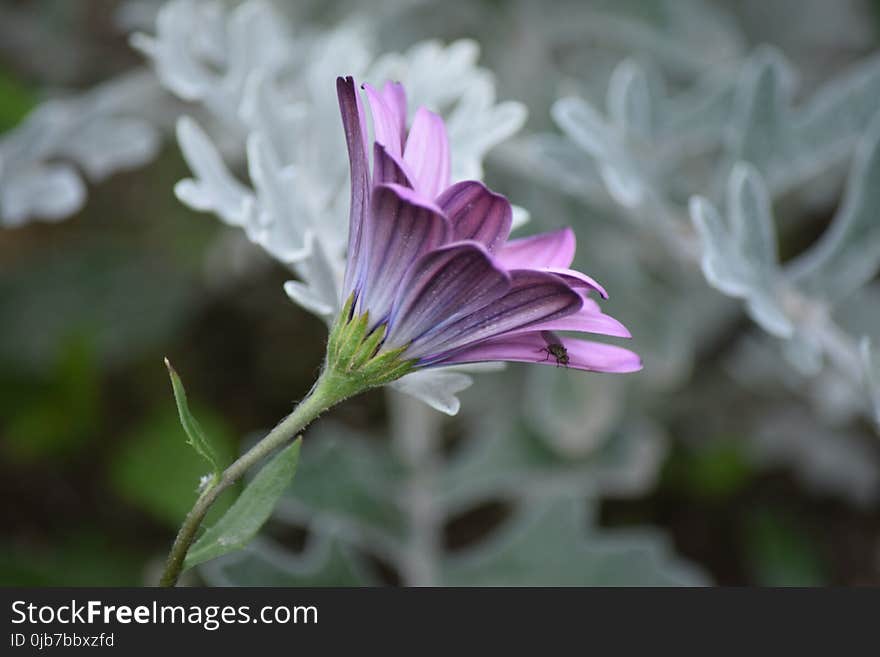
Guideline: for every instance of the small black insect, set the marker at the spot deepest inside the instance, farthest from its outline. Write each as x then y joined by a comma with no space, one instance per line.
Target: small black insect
554,348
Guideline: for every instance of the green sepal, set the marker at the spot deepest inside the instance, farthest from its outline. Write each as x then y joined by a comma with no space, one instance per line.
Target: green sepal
368,347
387,366
333,339
355,361
351,337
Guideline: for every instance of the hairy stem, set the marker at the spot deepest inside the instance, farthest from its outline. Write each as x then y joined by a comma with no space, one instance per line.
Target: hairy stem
329,390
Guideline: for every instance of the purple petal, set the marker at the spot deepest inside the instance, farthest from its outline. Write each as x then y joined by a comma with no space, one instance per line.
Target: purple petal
389,127
427,153
586,320
577,279
477,213
402,227
443,286
394,96
388,168
534,297
355,134
554,249
532,348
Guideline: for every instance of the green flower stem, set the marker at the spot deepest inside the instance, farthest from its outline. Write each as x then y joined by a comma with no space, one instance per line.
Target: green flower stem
354,363
330,389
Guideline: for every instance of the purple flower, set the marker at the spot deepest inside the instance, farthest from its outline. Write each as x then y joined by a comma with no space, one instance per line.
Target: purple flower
430,264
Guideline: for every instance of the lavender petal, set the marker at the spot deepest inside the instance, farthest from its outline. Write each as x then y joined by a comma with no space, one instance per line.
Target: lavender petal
534,297
402,226
388,126
532,348
427,153
477,214
443,286
586,320
553,249
388,168
355,134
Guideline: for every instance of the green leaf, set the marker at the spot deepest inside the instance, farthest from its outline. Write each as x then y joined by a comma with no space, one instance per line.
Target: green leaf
74,557
16,100
554,541
55,414
195,435
780,552
253,507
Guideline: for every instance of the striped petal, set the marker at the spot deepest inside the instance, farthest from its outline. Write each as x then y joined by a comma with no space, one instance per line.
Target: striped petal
585,320
388,168
554,249
402,226
355,135
477,214
532,347
443,286
577,280
534,297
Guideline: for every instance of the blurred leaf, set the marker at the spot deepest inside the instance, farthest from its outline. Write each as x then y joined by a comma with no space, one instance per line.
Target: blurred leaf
643,142
126,302
780,553
325,562
550,543
629,99
345,478
15,101
871,371
716,471
91,132
503,461
49,192
247,514
828,460
789,145
195,435
847,256
573,414
154,472
587,128
739,256
81,559
56,415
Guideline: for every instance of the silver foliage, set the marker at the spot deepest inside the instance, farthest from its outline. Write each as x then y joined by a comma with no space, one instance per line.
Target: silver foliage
42,161
739,137
251,75
687,153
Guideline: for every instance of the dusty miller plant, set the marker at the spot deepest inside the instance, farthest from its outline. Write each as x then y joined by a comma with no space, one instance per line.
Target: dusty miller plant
698,151
284,108
696,171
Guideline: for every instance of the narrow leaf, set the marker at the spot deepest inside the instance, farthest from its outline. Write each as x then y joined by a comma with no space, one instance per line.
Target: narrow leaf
194,432
847,256
751,217
248,513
